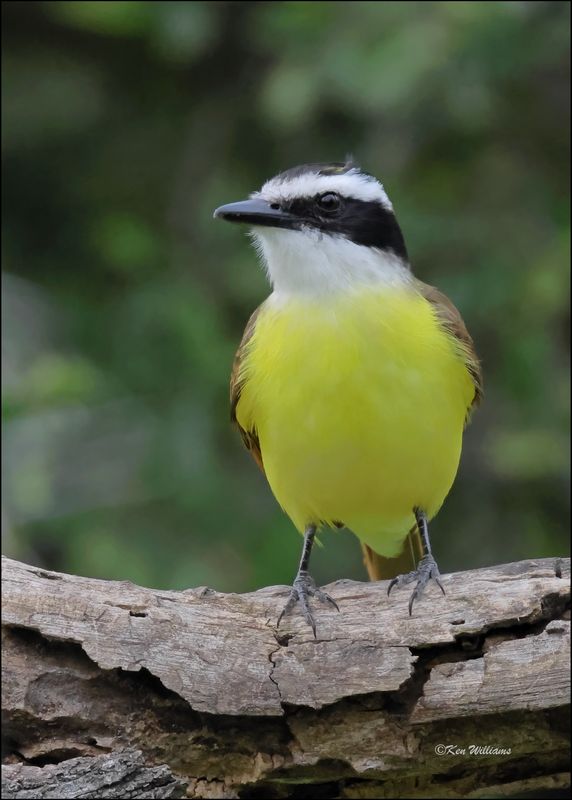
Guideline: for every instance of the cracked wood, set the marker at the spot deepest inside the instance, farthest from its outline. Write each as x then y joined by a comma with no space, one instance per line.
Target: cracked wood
204,682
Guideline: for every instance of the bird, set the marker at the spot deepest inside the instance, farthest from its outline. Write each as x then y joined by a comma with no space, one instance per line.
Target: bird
354,380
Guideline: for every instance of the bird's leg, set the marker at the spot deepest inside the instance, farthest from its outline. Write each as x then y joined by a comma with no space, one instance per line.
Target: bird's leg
427,567
304,585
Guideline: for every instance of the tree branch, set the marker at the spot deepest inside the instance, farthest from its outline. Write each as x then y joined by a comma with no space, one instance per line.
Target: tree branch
100,673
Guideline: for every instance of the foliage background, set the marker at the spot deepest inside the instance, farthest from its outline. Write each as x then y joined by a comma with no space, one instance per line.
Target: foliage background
126,124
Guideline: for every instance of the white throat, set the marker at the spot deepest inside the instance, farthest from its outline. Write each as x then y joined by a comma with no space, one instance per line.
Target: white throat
311,263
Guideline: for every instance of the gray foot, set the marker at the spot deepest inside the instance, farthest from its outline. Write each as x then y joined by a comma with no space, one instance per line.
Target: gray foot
303,588
427,569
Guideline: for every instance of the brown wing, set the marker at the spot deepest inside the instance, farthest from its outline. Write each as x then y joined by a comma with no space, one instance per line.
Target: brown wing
453,323
249,438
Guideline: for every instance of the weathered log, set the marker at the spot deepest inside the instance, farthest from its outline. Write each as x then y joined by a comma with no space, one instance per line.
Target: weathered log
202,686
122,775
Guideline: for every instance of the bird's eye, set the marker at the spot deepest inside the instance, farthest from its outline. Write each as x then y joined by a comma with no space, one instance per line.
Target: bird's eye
329,202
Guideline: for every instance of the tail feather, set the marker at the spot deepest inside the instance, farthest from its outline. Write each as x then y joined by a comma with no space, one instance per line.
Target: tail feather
380,568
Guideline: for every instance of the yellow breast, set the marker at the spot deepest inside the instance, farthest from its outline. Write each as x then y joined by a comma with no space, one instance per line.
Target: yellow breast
359,403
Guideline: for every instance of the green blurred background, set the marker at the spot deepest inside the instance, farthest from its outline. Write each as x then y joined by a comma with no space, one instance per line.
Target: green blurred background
126,124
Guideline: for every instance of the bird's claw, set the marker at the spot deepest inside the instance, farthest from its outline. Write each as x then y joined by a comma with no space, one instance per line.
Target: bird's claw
303,588
427,569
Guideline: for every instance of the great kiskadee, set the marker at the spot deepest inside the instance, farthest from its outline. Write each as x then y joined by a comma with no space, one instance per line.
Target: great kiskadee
354,380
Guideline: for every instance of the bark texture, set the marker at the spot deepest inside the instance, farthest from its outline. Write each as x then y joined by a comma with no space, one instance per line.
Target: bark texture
114,690
121,775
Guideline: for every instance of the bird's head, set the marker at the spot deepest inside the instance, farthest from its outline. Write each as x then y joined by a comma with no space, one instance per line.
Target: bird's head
323,228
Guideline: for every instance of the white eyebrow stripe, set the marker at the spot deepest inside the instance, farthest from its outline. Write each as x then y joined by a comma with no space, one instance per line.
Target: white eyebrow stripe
349,184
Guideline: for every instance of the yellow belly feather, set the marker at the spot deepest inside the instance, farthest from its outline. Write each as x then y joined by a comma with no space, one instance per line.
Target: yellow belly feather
359,404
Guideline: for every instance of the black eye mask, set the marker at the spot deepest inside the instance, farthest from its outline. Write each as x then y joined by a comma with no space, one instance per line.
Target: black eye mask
363,222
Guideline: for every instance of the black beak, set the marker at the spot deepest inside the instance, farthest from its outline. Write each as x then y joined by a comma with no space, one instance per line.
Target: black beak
257,212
